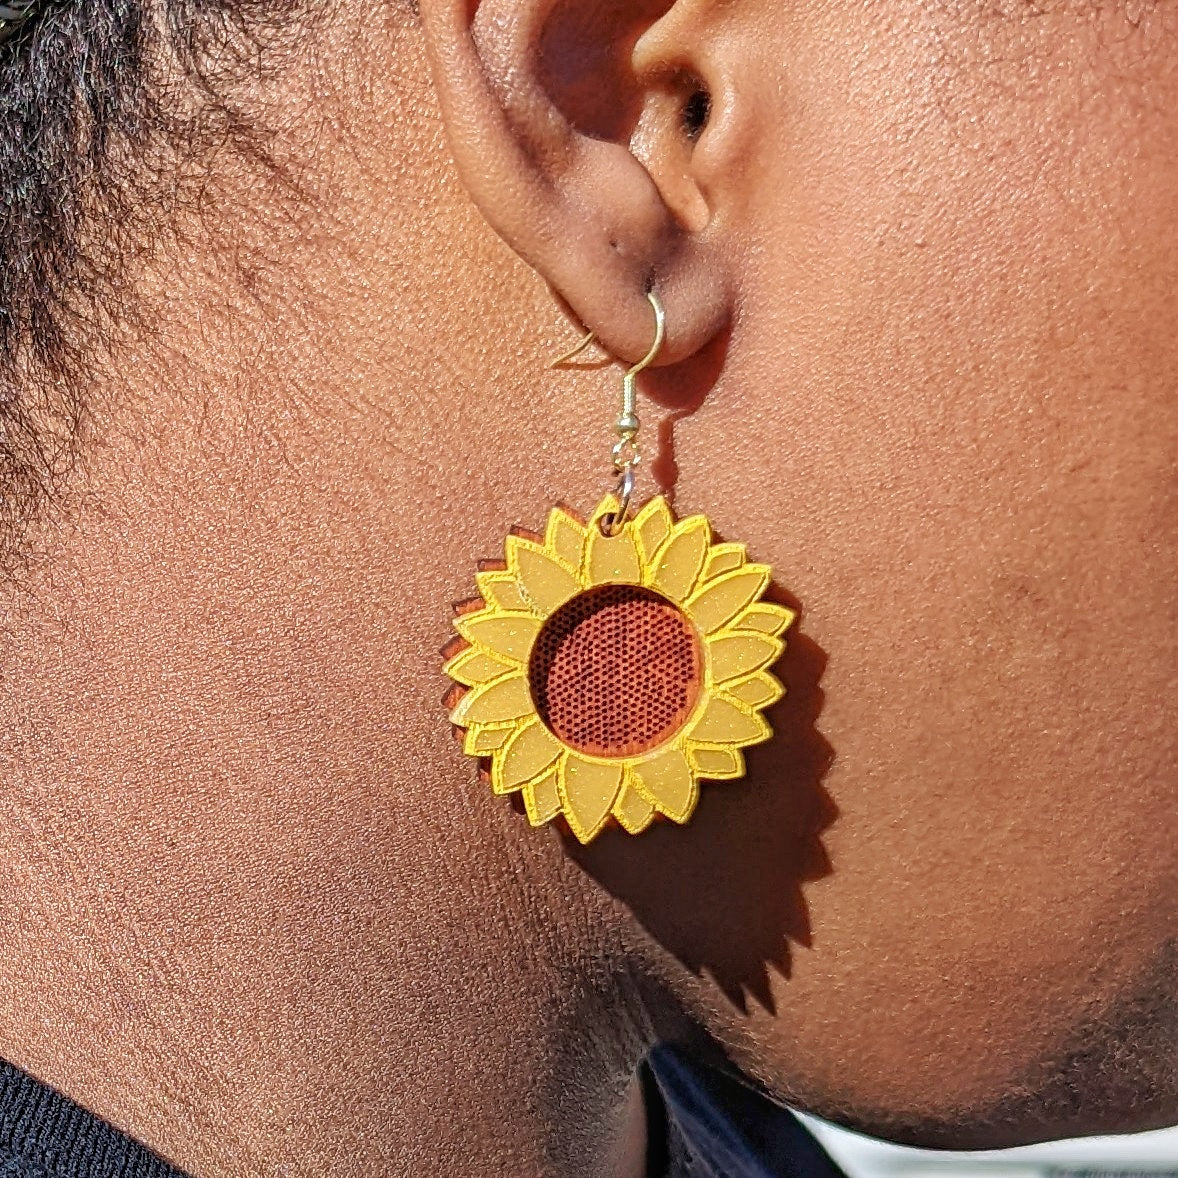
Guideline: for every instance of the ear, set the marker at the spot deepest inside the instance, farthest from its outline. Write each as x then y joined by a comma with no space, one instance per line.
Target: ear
578,148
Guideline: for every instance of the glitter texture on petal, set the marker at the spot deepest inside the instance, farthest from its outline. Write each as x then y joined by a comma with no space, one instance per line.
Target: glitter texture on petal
587,791
529,752
667,782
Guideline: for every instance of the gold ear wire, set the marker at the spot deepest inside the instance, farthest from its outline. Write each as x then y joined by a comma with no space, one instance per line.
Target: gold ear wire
625,453
575,352
660,333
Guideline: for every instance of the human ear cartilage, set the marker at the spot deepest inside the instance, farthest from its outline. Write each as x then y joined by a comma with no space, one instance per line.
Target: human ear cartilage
612,663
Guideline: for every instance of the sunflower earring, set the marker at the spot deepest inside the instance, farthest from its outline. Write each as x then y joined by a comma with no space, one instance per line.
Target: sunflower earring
612,663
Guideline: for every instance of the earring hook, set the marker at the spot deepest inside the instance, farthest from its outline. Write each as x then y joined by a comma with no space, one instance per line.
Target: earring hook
574,352
660,333
626,453
628,421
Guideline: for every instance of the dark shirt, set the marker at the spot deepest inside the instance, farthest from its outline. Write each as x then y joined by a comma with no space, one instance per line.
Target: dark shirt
44,1135
703,1124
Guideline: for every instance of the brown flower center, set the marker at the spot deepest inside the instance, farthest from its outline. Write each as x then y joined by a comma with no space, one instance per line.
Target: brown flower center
615,671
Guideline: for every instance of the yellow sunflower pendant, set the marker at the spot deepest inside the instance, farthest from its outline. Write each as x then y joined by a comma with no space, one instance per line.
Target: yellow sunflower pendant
604,674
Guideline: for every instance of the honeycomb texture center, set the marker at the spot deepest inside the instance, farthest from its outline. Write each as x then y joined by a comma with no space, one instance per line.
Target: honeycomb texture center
615,671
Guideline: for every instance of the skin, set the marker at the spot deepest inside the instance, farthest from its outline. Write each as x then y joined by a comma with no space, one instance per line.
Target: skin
919,271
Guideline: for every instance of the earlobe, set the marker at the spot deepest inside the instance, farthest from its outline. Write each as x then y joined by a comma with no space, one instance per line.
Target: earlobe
550,127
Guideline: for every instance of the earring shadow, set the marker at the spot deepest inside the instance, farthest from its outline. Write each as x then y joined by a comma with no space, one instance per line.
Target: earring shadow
725,893
681,388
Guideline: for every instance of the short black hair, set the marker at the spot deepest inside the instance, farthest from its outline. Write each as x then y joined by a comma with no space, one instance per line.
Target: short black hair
99,101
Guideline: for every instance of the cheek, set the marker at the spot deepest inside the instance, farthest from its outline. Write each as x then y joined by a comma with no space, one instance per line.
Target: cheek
948,420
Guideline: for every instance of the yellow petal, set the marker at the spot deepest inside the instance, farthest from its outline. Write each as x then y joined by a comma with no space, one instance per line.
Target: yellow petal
509,636
473,666
720,764
678,562
541,799
565,538
725,722
653,525
612,560
723,558
719,601
732,655
667,783
766,617
758,691
544,583
587,791
494,703
479,742
632,810
500,589
531,750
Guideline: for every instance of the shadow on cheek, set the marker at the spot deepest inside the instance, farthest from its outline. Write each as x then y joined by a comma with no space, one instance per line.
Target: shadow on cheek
725,893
